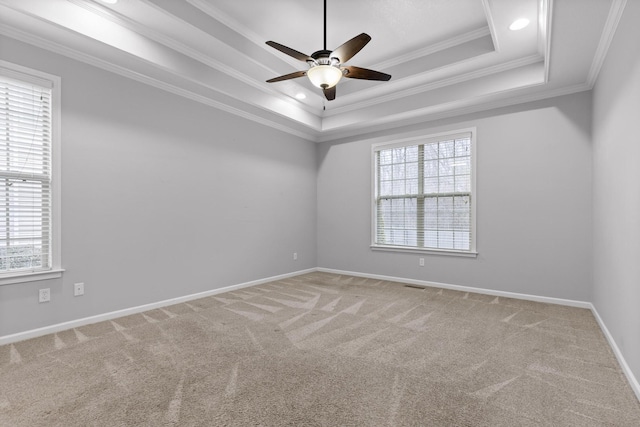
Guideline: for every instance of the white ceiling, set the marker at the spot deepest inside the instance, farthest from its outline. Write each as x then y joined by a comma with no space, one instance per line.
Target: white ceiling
447,57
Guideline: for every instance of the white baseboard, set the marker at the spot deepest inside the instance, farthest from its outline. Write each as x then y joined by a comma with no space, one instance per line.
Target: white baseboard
33,333
633,382
424,283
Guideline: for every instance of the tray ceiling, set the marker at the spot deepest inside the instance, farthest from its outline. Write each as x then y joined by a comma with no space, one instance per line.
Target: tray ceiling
447,57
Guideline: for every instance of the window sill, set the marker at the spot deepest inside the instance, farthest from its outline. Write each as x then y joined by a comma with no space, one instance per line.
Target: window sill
445,252
30,276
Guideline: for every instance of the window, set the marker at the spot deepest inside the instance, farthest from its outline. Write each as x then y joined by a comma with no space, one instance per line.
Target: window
423,194
28,213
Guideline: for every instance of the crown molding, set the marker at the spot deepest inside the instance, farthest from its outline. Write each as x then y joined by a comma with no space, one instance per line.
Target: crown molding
451,109
166,41
446,110
430,113
434,48
227,21
544,40
414,90
54,47
190,52
491,24
609,31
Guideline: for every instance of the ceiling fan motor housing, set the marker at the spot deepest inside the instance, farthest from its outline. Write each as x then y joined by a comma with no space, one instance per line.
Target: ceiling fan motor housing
323,57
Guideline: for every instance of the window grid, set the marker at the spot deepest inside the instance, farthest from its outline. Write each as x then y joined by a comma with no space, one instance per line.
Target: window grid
423,195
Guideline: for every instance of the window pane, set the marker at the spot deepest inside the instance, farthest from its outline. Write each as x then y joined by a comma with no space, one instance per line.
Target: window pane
463,184
445,213
411,170
410,213
398,171
431,213
411,238
461,240
431,238
412,186
446,184
396,237
446,149
398,188
411,153
431,151
431,168
446,167
384,157
397,213
383,219
445,239
386,188
430,185
463,147
461,213
462,166
398,155
386,173
384,208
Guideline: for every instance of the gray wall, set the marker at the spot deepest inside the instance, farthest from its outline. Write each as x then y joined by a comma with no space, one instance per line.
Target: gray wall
617,188
162,197
533,211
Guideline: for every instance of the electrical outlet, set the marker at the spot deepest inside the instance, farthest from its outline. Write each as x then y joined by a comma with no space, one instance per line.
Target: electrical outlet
44,295
421,262
78,289
295,256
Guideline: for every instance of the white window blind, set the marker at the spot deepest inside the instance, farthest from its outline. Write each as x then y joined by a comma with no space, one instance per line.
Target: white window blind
25,176
423,194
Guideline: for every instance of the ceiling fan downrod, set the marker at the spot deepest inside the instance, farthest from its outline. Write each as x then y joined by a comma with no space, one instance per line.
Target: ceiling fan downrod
325,24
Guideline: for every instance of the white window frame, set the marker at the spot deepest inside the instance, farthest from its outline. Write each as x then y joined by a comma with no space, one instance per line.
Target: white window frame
418,140
24,74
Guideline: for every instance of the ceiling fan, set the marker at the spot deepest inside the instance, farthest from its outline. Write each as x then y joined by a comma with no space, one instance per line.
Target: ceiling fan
326,67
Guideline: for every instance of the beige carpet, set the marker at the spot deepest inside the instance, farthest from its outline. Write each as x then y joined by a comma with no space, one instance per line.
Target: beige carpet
323,350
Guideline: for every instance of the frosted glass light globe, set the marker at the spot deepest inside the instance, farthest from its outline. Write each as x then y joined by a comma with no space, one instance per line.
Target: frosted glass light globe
324,76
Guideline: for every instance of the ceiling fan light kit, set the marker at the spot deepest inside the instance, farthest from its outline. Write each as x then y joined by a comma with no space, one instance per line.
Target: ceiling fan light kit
324,76
326,68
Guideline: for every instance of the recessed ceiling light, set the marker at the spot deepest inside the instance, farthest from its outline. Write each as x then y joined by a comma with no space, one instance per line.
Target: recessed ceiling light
519,24
301,96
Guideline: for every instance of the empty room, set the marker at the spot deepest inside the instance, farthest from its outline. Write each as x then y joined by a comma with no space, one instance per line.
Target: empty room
319,213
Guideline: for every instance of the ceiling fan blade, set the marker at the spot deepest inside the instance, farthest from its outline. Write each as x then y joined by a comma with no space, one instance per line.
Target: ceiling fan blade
288,76
291,52
365,74
330,93
347,50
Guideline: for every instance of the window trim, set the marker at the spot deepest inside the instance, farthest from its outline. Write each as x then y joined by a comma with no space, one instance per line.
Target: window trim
25,74
416,140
